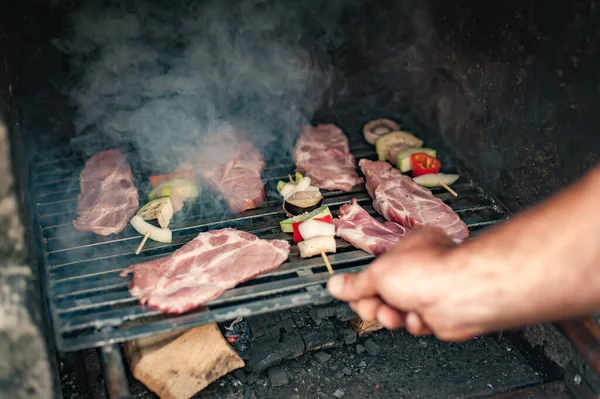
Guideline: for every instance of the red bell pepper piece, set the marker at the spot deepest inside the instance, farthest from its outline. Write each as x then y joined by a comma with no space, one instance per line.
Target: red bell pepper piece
424,164
298,237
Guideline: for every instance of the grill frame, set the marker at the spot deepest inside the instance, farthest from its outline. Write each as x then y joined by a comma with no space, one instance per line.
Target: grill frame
80,322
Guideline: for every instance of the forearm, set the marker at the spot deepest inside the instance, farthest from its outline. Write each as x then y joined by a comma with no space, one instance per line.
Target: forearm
545,262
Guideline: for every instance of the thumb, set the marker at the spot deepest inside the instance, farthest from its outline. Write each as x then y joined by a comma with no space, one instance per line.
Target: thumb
352,287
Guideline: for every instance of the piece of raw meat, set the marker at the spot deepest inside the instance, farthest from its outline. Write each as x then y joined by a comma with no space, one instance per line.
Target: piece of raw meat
108,198
399,199
203,269
360,229
232,166
323,154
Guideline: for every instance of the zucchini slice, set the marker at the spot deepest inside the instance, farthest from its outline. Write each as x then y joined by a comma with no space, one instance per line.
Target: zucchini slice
434,179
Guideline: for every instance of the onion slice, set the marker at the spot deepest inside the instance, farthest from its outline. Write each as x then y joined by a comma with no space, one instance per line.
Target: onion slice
315,228
156,233
315,245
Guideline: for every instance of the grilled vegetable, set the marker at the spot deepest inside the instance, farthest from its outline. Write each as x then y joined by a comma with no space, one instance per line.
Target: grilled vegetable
384,143
377,128
301,202
315,245
178,189
287,225
281,184
156,233
423,164
298,237
434,179
160,209
303,184
185,188
315,228
403,157
288,189
297,177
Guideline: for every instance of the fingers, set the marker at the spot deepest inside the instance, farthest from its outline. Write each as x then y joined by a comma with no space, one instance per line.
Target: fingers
366,309
352,287
391,318
427,238
415,325
372,309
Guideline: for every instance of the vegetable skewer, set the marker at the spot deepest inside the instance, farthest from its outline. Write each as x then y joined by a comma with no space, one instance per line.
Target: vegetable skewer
139,248
451,191
327,263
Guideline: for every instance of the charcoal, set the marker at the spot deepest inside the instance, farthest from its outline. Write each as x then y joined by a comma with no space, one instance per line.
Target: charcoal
359,349
372,348
347,371
292,346
262,357
350,336
252,378
323,337
273,344
249,393
341,312
339,375
240,375
339,393
278,376
322,357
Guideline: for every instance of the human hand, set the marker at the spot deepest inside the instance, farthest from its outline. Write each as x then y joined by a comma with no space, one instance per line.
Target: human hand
424,284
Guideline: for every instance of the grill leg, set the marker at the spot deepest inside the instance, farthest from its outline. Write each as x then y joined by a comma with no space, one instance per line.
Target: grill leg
114,372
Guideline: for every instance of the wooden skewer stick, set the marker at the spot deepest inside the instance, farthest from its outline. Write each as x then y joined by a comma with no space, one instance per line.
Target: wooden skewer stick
139,248
291,180
327,263
448,188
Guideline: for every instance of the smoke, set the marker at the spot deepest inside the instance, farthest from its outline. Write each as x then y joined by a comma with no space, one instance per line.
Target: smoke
162,75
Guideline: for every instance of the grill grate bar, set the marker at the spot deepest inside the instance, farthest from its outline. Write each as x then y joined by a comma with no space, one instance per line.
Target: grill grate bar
294,300
91,304
236,295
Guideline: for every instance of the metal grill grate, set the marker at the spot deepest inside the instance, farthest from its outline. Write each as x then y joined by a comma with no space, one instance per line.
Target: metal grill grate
91,306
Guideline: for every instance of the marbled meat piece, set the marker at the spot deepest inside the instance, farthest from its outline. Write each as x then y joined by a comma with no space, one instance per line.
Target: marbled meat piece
203,269
323,154
399,199
232,166
108,197
360,229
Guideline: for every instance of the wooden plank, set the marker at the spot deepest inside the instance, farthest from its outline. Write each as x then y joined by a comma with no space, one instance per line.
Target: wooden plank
178,365
363,328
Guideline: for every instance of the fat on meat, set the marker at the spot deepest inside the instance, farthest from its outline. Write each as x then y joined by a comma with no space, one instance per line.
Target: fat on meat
232,166
108,198
355,225
203,269
399,199
323,154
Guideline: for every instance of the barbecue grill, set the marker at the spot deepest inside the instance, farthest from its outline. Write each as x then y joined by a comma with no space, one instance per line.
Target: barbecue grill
479,129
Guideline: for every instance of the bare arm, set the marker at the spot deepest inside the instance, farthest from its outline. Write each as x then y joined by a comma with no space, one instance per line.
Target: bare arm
542,265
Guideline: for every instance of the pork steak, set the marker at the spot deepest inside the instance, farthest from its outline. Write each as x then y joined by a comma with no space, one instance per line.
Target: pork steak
203,269
399,199
360,229
232,166
323,154
108,198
